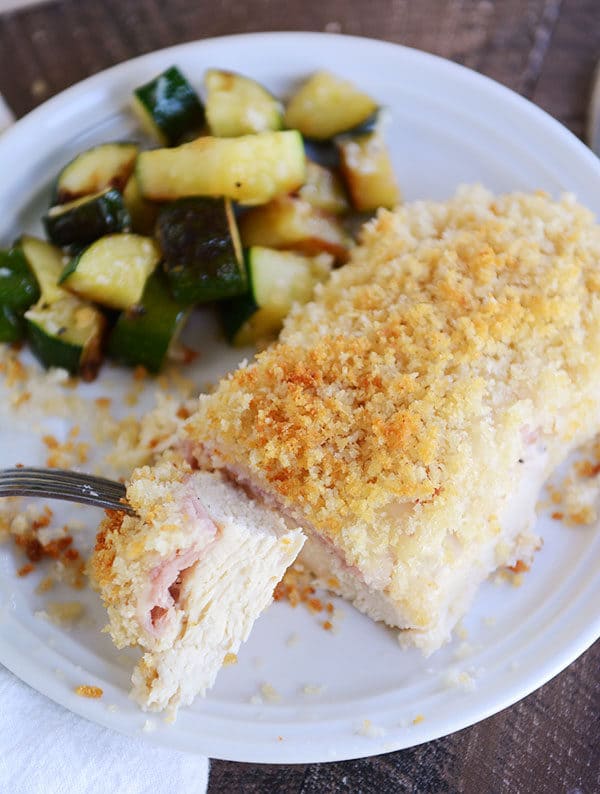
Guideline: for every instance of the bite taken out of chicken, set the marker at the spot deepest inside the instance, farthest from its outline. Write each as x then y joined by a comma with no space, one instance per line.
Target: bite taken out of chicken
186,577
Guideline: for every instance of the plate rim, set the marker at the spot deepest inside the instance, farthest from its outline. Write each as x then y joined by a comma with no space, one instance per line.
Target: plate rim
565,655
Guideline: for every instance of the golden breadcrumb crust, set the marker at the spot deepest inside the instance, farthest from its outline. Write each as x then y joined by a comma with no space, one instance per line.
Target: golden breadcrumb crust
454,326
127,536
104,553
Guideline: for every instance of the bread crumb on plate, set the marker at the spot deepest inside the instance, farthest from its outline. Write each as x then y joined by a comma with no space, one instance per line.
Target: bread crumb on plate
269,693
62,613
370,731
85,691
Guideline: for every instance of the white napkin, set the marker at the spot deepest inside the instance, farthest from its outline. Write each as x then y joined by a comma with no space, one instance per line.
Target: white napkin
45,749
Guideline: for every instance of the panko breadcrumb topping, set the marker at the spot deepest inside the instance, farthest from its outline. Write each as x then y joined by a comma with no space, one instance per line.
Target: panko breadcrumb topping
457,328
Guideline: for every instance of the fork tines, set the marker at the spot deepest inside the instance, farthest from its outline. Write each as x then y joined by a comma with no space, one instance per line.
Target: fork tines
68,485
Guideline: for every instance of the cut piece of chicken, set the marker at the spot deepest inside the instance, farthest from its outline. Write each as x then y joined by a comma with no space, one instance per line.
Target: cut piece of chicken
187,577
409,415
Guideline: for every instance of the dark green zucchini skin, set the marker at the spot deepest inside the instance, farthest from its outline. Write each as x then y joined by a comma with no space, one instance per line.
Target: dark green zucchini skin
69,334
323,149
143,334
172,105
79,224
51,351
201,249
18,291
235,312
11,324
369,125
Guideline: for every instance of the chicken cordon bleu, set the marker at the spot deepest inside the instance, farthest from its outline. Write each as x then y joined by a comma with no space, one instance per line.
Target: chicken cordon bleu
408,416
186,577
404,422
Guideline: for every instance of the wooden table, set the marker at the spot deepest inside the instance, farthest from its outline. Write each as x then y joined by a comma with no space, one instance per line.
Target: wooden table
545,50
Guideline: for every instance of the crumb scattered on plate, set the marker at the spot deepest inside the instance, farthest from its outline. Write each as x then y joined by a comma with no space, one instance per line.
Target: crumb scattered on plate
464,649
269,693
313,689
85,691
40,540
62,613
149,726
462,679
370,731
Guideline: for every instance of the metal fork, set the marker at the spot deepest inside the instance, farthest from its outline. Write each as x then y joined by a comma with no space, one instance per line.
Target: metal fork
72,486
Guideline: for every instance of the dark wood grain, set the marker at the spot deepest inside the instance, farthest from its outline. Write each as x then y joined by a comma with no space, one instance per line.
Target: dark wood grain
563,84
544,49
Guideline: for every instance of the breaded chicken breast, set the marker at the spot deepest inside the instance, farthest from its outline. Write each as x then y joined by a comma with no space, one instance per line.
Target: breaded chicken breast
404,423
408,416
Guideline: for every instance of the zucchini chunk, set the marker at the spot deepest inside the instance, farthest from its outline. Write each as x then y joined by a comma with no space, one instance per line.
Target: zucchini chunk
63,330
47,263
143,213
277,279
251,169
113,270
145,332
323,189
368,171
18,291
84,220
201,247
326,106
104,166
290,222
168,107
68,334
237,105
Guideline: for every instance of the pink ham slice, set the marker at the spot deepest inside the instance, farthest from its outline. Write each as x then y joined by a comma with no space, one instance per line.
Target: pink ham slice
166,578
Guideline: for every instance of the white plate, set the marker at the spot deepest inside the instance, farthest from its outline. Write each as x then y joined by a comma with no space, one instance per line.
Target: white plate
449,125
